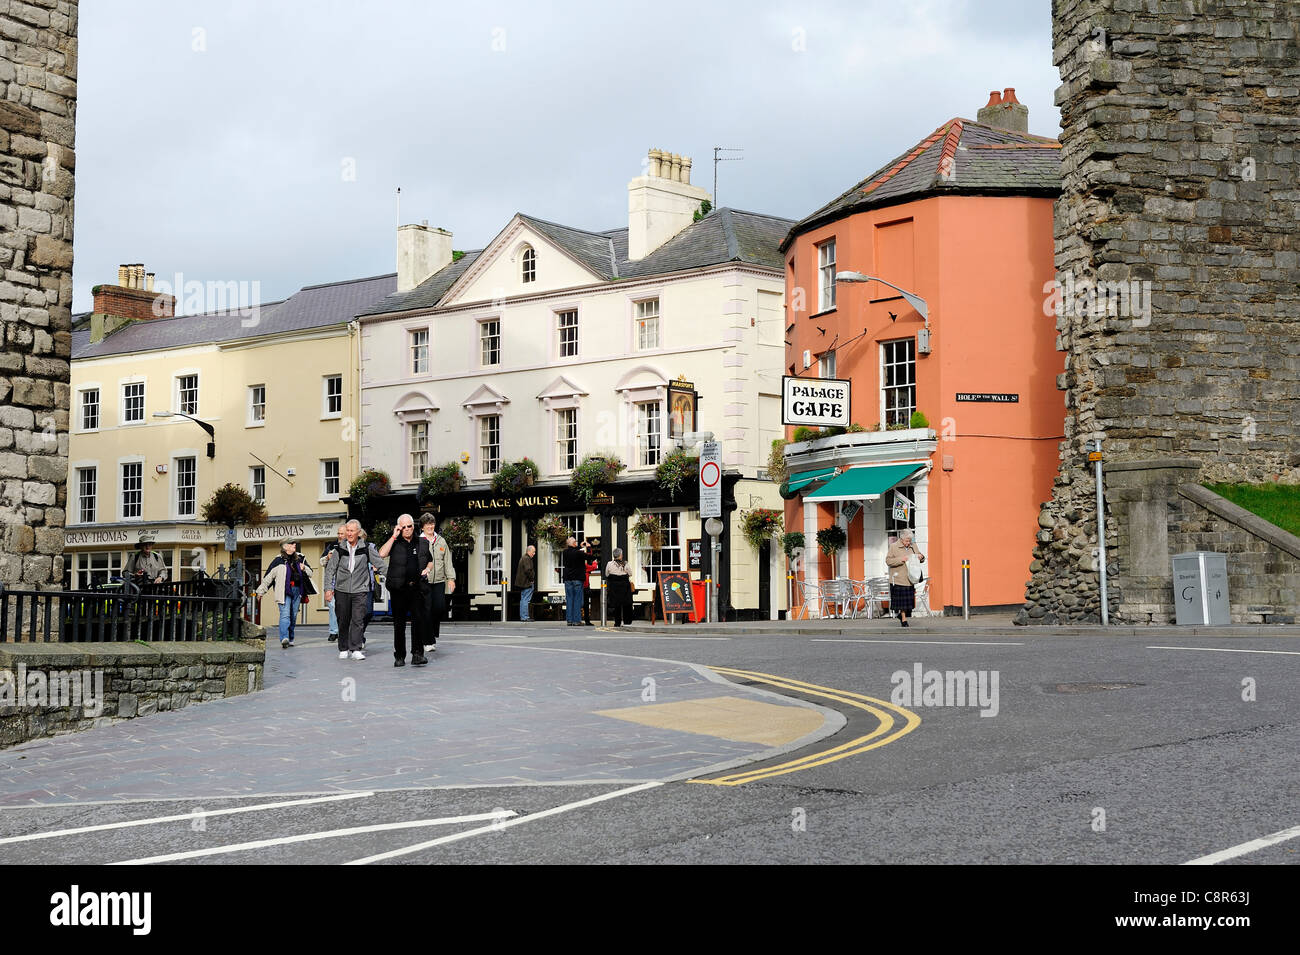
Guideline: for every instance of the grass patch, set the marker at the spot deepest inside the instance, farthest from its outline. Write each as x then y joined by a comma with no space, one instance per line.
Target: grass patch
1277,503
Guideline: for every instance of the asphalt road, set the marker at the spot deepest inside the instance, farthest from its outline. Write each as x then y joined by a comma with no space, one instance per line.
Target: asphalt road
1086,749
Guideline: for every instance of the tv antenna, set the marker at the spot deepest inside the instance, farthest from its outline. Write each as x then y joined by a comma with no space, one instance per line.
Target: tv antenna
717,158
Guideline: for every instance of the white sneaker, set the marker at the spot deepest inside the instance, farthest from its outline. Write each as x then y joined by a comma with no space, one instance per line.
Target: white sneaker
343,654
358,655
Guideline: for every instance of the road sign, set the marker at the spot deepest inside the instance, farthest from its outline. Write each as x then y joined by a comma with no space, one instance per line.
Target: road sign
230,539
711,480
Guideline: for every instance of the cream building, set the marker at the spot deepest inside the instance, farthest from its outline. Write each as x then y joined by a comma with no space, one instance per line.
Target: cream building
553,343
277,385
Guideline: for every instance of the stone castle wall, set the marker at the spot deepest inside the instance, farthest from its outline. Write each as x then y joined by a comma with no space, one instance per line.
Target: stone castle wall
38,99
1177,233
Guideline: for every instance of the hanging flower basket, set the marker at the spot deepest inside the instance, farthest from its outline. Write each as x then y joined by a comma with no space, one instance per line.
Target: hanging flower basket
458,532
676,471
760,524
440,480
649,530
366,486
514,476
551,530
594,471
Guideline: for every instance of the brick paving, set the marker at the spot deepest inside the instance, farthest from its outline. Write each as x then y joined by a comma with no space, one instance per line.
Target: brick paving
478,715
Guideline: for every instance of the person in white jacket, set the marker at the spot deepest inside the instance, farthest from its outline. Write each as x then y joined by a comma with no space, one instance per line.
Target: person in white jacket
290,575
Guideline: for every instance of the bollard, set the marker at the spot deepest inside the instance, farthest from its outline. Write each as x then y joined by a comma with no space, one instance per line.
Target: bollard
603,597
505,598
965,589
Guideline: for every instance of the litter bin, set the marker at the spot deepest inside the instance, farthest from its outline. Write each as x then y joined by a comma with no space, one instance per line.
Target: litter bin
1201,588
700,591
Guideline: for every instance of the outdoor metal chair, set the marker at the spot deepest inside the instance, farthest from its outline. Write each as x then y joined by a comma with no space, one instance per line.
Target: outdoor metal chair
878,596
922,607
859,599
809,595
836,597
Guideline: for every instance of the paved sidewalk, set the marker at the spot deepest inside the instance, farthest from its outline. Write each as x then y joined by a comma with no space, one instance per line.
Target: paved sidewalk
477,715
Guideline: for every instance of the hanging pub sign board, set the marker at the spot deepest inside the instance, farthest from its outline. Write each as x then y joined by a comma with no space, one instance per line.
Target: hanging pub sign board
815,402
682,404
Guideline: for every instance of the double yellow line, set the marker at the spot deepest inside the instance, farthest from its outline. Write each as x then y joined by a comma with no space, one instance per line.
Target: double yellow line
887,713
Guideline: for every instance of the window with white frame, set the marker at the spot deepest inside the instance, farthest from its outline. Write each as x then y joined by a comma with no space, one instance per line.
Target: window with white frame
329,478
420,351
669,555
649,433
90,409
133,402
826,365
647,324
494,545
489,336
489,444
132,489
574,522
187,486
528,270
333,407
97,568
826,276
257,483
87,491
417,438
187,394
256,404
898,375
567,327
566,438
894,527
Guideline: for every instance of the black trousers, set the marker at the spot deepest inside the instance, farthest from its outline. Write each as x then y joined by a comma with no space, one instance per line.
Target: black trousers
407,602
435,608
619,600
590,603
350,610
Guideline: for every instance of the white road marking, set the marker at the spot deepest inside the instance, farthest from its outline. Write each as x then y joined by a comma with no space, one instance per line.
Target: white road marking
313,836
1289,653
938,643
497,827
55,833
1254,845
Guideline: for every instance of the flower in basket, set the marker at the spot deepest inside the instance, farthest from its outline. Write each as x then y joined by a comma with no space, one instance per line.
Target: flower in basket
760,524
676,471
514,476
443,479
551,530
458,532
594,471
649,529
369,484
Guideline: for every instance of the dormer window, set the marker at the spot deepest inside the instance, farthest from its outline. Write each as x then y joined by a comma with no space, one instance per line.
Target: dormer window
529,267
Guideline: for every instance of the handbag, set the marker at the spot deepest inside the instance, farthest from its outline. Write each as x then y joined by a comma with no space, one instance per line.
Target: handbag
914,572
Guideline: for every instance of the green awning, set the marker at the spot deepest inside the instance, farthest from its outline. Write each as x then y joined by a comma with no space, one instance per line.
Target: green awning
864,483
796,482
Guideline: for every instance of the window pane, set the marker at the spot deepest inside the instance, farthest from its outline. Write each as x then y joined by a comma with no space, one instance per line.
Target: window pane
669,556
257,403
133,401
187,482
87,487
899,377
568,326
530,265
493,551
334,395
90,409
490,444
419,439
649,432
257,483
187,394
330,477
420,352
826,275
567,435
490,342
647,324
132,490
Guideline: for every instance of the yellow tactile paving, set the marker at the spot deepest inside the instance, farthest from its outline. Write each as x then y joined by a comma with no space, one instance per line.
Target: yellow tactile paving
726,717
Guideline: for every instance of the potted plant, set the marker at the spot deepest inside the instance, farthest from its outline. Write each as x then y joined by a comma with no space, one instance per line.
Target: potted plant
380,531
370,483
760,524
551,530
649,529
231,505
458,532
594,471
675,471
514,476
831,539
919,420
443,479
790,541
804,433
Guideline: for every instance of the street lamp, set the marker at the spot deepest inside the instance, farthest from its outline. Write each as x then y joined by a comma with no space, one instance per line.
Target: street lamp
212,432
912,299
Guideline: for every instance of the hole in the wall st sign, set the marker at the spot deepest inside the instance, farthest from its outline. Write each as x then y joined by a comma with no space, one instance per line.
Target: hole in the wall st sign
991,396
815,402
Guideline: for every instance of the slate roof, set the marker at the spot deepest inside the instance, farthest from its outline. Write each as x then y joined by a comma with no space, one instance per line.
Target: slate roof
960,157
724,235
314,306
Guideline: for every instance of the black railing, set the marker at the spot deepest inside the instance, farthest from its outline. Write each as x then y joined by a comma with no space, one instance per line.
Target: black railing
49,616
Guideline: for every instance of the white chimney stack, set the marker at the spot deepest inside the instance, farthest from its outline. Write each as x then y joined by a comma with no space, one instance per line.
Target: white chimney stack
421,252
661,203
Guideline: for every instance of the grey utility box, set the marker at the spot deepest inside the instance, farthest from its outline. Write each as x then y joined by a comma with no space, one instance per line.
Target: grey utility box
1201,588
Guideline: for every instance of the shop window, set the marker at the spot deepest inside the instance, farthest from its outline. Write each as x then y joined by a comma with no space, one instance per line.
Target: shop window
494,543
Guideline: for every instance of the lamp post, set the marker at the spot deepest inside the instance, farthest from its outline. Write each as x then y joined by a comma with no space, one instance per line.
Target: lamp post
912,299
212,432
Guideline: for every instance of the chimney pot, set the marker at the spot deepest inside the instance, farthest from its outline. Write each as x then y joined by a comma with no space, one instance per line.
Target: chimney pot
148,281
1009,95
122,275
686,170
994,99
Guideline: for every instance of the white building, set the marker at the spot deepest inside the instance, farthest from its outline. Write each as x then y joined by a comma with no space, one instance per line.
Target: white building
553,343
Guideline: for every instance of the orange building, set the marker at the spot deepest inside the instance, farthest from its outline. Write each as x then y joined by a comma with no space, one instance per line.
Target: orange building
962,221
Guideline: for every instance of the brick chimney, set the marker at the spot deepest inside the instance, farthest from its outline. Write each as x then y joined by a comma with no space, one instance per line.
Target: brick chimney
421,252
132,299
1004,111
661,203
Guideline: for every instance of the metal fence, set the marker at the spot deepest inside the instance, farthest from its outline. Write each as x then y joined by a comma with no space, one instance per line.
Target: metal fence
203,608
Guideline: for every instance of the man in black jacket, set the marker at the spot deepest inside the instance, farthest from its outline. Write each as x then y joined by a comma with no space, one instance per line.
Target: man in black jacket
575,572
526,581
408,555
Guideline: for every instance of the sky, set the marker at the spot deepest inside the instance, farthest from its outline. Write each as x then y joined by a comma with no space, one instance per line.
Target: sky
263,141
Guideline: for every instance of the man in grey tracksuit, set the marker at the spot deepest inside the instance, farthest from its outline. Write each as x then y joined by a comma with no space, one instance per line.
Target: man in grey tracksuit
347,581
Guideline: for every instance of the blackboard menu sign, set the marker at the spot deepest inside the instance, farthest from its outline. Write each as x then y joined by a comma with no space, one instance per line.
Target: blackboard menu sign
695,554
675,592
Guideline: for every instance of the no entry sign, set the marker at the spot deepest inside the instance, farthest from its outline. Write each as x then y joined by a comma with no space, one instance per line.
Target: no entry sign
711,480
